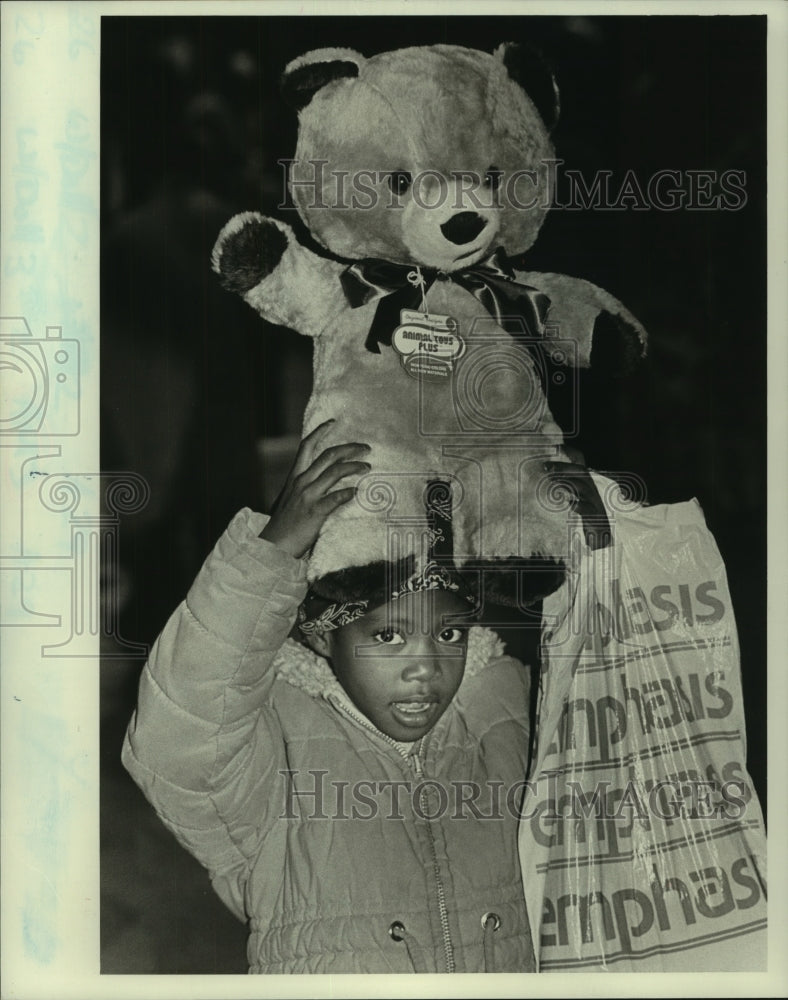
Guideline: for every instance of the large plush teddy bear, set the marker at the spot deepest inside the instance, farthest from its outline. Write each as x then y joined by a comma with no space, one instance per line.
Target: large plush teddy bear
424,170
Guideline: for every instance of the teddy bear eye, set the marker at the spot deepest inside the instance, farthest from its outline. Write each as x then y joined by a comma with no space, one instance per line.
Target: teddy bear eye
493,177
399,181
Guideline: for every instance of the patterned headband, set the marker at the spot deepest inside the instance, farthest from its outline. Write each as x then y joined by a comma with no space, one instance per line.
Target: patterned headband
318,614
333,616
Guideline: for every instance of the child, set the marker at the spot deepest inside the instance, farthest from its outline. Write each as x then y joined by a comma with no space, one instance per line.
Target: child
354,795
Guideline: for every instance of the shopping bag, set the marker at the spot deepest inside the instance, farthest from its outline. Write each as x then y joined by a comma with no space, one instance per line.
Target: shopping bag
642,840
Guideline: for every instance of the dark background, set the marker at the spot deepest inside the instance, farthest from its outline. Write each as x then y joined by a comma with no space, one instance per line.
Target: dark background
192,128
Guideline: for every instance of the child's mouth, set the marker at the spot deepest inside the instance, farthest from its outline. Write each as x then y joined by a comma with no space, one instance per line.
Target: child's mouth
414,713
413,707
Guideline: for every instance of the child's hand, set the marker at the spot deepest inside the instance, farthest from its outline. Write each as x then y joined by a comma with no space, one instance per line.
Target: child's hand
305,501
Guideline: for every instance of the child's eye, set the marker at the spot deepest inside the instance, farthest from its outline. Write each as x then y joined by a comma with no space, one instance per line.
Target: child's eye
451,635
388,637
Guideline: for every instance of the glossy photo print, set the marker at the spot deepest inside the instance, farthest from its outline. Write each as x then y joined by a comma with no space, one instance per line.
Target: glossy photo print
389,439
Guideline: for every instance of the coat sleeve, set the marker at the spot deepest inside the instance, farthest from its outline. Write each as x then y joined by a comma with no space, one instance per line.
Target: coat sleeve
203,744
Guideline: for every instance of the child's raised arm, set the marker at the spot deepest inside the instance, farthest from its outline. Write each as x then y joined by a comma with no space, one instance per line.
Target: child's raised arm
203,744
305,502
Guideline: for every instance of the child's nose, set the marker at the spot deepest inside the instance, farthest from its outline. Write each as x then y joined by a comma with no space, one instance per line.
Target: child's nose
422,667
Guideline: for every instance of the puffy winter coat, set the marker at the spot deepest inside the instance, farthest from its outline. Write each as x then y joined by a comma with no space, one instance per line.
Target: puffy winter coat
344,850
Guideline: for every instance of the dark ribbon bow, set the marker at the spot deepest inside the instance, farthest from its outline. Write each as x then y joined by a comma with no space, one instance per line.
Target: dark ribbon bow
490,281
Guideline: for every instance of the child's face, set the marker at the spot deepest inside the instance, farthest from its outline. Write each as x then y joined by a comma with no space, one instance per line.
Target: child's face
402,663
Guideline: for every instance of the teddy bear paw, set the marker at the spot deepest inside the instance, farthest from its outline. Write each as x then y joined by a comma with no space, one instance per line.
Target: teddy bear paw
247,250
616,345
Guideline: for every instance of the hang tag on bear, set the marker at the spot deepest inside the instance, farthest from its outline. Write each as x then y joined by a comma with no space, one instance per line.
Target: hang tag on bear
427,344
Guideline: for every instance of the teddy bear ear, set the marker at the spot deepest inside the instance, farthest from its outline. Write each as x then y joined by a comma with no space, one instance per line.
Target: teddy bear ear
307,74
528,68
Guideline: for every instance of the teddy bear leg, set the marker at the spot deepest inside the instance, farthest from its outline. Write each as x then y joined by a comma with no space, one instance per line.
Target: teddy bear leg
519,583
356,541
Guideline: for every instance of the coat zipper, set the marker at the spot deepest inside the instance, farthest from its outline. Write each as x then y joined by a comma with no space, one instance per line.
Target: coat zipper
448,947
372,729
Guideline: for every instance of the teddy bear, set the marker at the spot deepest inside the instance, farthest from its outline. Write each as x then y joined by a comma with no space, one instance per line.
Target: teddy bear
420,173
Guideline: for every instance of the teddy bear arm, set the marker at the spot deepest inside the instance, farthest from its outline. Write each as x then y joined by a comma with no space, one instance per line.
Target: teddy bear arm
603,333
288,285
304,293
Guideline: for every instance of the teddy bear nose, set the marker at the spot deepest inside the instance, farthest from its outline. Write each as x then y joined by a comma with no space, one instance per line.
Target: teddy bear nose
463,227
